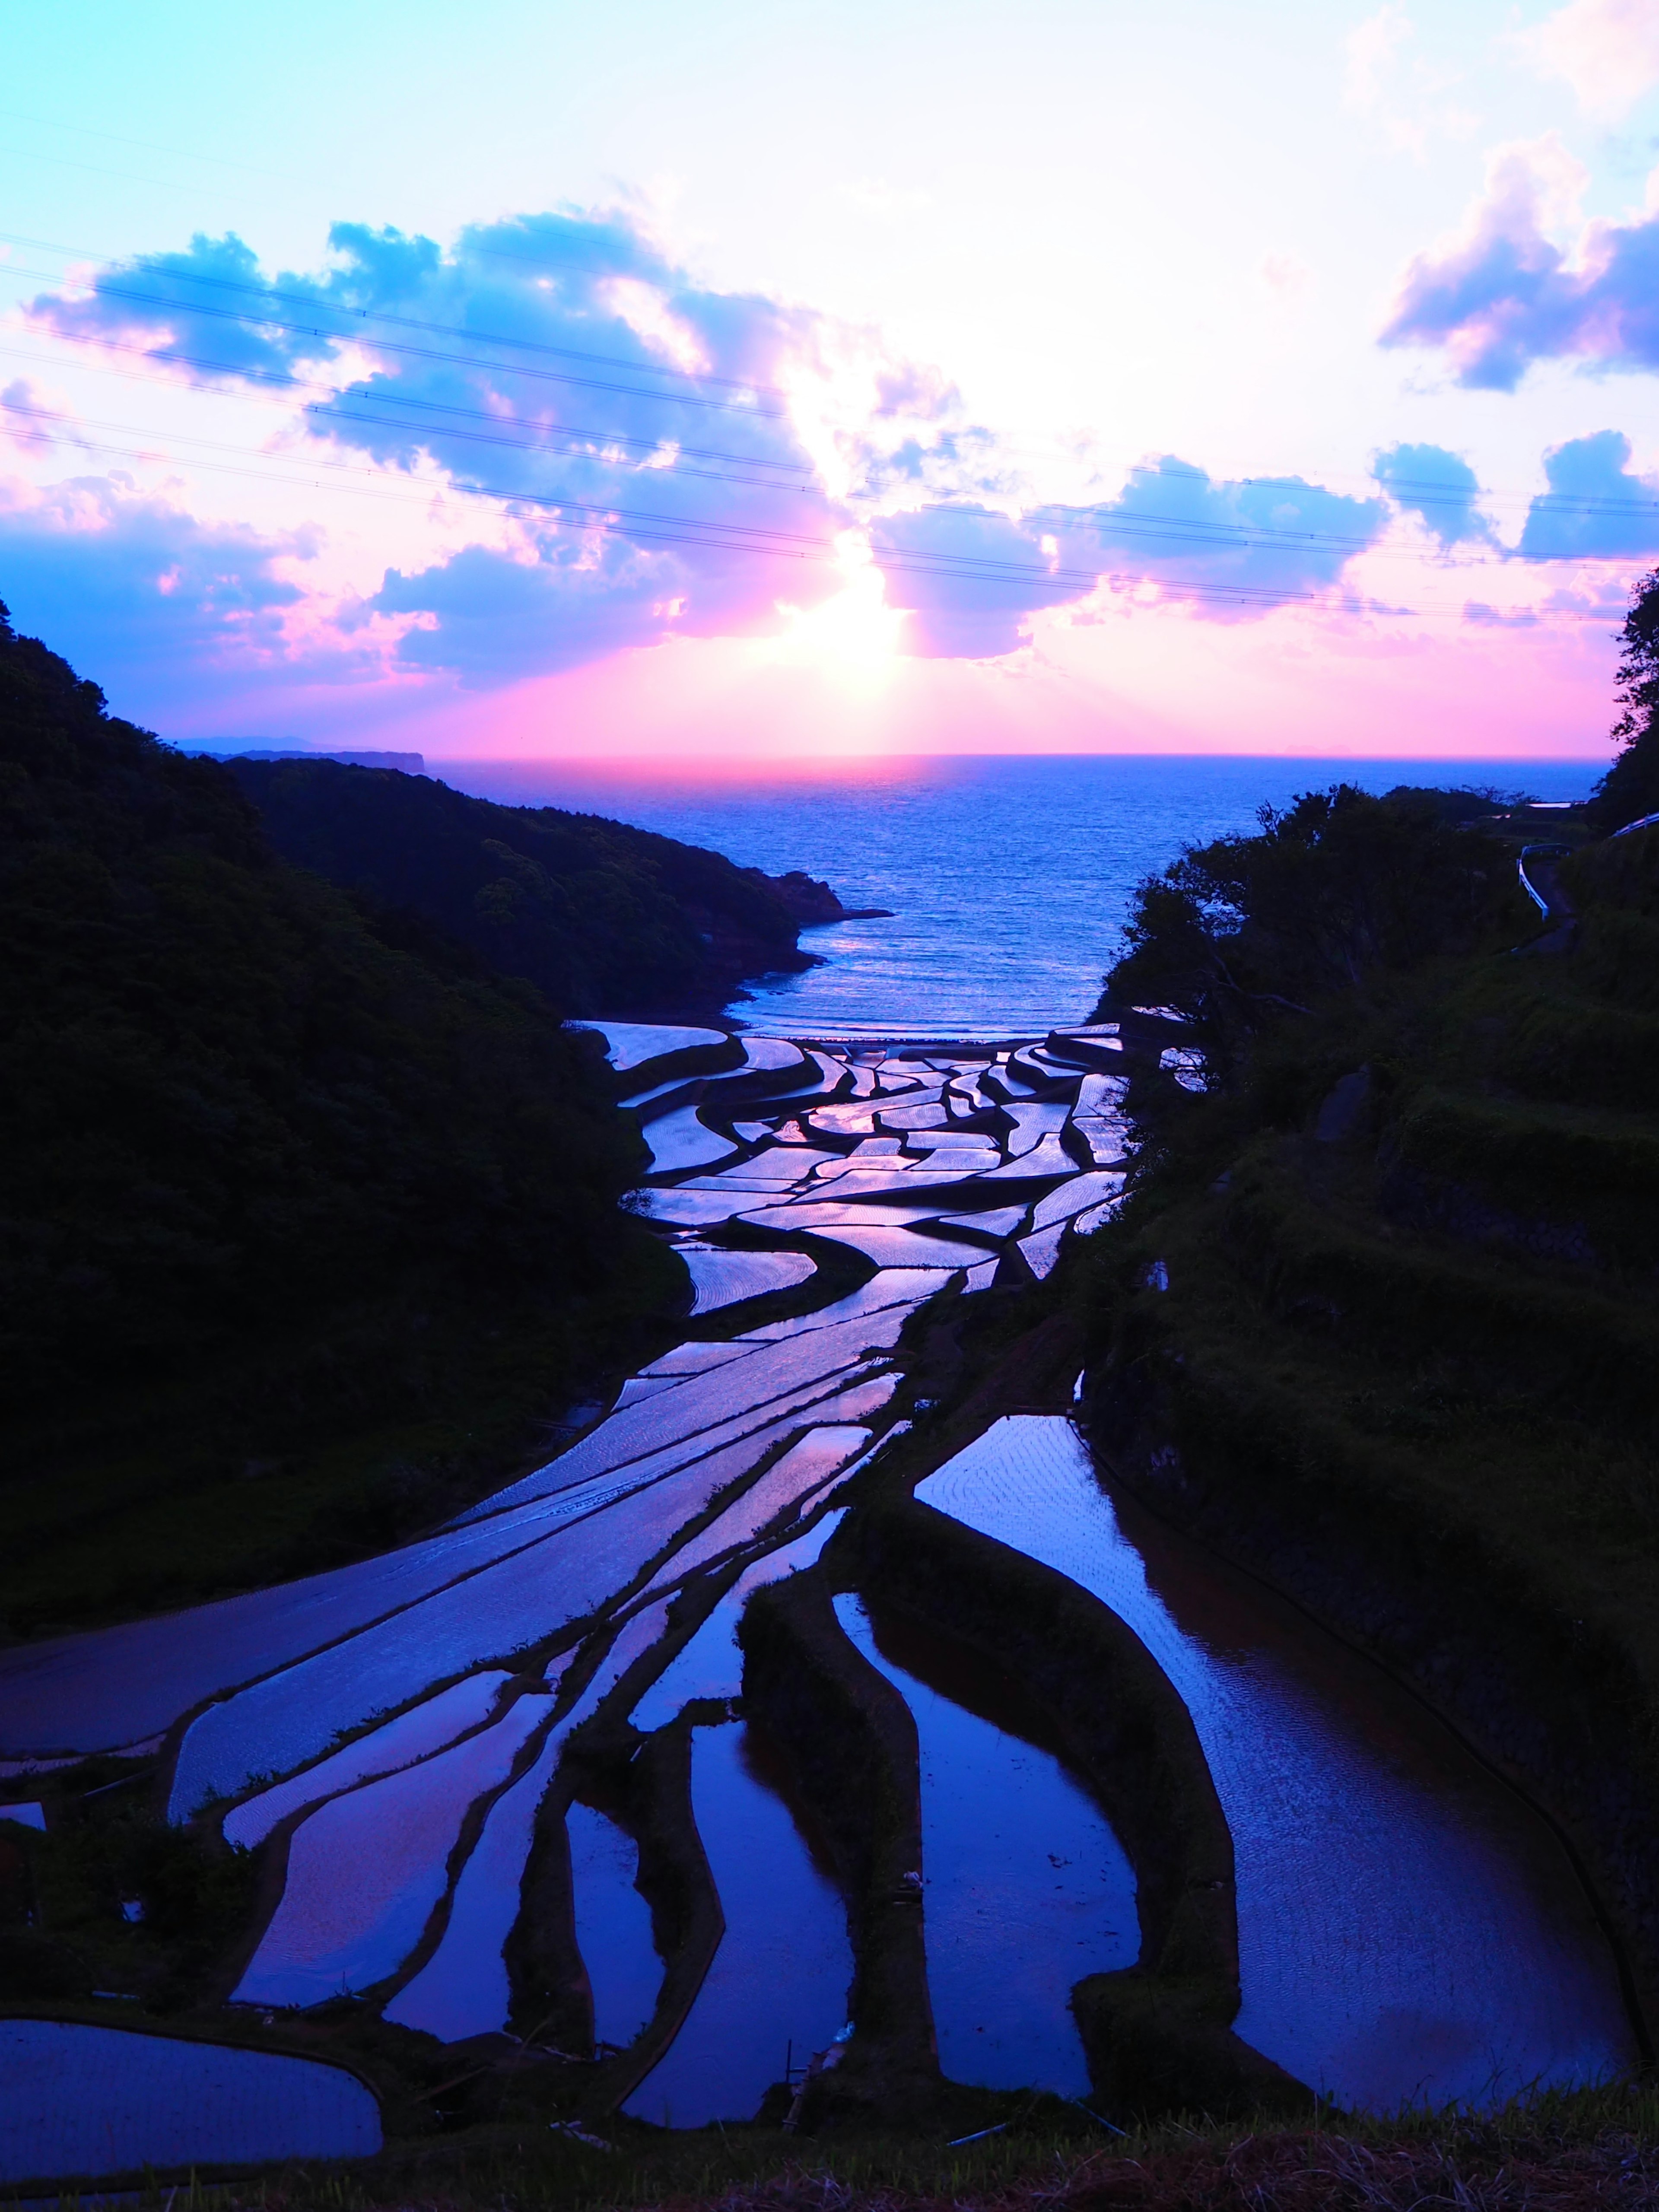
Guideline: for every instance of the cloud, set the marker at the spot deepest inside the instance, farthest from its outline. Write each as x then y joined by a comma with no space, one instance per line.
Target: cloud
1440,487
553,600
971,578
661,459
1607,50
1373,48
1233,548
1400,90
968,578
1505,294
124,583
1595,509
663,448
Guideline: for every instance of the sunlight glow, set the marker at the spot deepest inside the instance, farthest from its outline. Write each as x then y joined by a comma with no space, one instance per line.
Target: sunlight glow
852,638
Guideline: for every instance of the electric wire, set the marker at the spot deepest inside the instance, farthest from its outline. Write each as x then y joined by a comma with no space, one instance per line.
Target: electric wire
1104,524
646,527
280,380
1177,530
247,318
1424,492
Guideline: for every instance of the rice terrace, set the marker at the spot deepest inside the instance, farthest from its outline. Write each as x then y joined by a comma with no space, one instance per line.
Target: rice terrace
828,1143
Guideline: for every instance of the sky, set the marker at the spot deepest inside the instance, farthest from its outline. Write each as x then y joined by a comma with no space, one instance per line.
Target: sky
775,381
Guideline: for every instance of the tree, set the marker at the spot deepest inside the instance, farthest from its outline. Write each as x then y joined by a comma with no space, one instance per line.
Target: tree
1629,788
1238,934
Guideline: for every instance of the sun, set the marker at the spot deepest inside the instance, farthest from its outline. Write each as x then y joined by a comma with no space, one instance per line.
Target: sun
854,637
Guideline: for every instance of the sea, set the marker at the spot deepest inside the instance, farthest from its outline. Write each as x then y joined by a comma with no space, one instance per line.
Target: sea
1008,878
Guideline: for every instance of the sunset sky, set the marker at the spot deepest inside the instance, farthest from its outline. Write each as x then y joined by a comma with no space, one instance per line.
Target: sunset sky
703,379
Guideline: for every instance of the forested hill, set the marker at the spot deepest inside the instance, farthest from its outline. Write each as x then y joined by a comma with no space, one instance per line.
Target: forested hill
605,918
1381,1317
285,1182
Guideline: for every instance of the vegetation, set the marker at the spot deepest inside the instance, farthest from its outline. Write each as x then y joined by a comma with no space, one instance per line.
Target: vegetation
1557,2153
1629,789
306,1218
1400,1354
604,918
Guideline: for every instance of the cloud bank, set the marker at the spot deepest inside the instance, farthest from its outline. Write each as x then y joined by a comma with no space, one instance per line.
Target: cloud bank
623,455
1505,294
116,578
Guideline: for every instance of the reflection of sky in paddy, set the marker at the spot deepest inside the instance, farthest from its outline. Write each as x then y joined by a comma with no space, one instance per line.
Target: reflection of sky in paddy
161,2100
613,1926
365,1871
1026,1890
1408,1928
779,1982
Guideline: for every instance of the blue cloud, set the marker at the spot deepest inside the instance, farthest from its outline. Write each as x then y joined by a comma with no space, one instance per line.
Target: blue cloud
542,360
1244,544
1595,509
1438,486
120,582
631,422
1506,295
968,578
971,577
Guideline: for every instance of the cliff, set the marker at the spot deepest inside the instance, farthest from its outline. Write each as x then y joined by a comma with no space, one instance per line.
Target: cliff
603,918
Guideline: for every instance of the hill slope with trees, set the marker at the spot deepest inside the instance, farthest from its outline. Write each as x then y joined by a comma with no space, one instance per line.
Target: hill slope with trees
605,918
302,1209
1381,1317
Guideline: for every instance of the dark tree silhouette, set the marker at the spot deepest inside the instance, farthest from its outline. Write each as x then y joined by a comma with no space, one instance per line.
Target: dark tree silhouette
1629,788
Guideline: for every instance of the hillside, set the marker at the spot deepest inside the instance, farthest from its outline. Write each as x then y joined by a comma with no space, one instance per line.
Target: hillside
605,919
303,1214
1381,1319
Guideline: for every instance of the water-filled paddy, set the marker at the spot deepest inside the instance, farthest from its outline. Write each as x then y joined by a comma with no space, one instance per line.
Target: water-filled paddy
613,1926
80,2099
1025,1888
365,1871
1409,1928
779,1983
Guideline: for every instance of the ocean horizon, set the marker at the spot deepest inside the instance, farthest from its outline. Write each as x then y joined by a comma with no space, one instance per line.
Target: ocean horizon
1009,876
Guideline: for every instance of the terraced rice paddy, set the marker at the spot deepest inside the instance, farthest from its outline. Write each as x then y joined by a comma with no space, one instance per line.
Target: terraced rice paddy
780,1978
1409,1931
79,2099
1026,1888
413,1742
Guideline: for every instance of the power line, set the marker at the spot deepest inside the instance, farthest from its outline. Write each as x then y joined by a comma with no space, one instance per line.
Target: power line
1424,491
1127,523
280,380
119,291
1104,517
1232,538
750,539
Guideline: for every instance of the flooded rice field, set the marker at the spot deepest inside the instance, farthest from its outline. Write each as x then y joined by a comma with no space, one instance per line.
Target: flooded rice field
1409,1930
778,1987
1025,1888
158,2101
490,1772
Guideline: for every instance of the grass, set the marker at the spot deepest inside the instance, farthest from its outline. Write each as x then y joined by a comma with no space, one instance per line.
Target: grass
1552,2152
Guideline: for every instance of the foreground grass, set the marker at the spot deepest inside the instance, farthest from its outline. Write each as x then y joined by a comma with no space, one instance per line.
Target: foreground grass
1555,2152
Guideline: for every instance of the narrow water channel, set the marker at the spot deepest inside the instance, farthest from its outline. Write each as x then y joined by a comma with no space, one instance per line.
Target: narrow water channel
1410,1930
613,1926
777,1988
1026,1889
